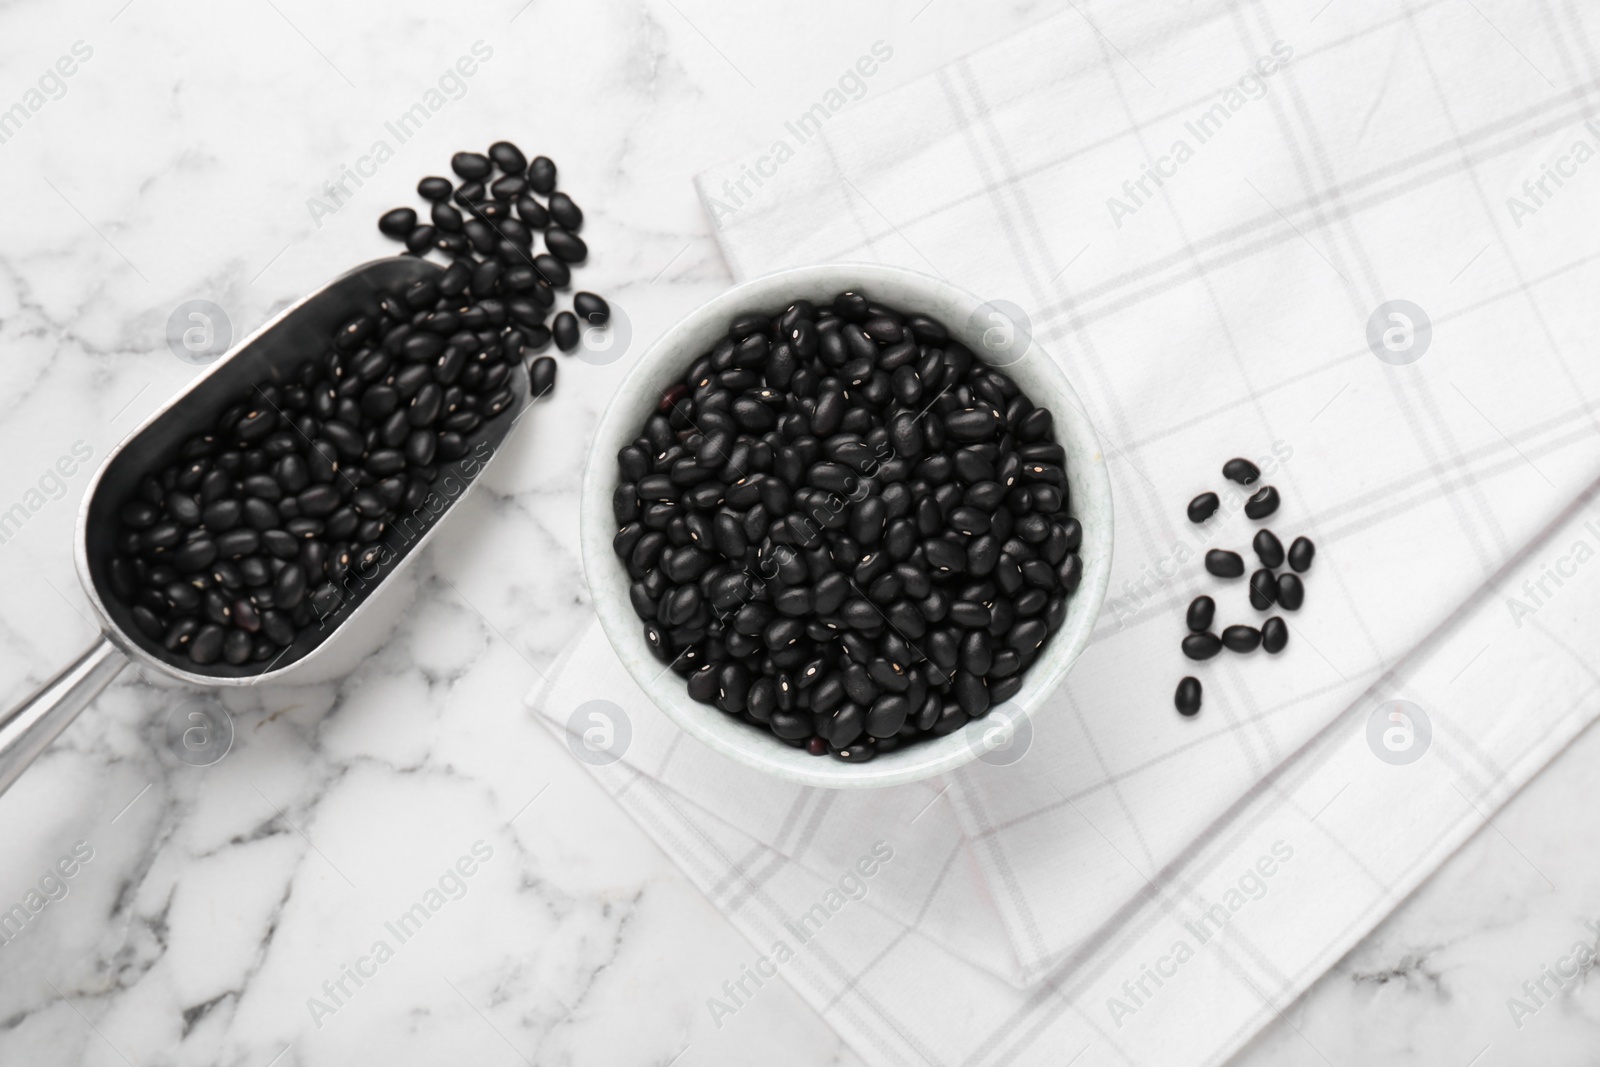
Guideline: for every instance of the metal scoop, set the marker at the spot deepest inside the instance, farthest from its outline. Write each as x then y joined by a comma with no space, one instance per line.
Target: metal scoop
273,353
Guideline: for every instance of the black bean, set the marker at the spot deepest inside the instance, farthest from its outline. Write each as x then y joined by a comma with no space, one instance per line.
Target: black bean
206,646
124,575
435,188
236,543
148,623
276,626
292,475
281,543
951,718
508,157
326,600
195,555
971,424
970,614
182,596
1274,635
509,187
590,307
565,330
982,555
1241,638
346,440
1263,590
977,653
398,223
565,245
887,714
183,508
1187,698
541,376
532,212
566,212
1291,592
236,647
179,633
1203,507
1201,646
139,514
1224,564
446,219
971,693
552,270
424,408
1240,470
1262,503
1028,635
255,571
422,239
791,725
263,486
472,166
1301,552
1201,611
1269,550
542,175
258,514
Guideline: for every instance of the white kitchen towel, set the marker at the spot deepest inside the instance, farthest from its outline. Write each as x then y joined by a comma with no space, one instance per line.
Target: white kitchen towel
1357,246
1215,944
1326,245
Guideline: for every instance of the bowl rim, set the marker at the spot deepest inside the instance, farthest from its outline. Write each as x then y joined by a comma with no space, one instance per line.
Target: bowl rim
678,347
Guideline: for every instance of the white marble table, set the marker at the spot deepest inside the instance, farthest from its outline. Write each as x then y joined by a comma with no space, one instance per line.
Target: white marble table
184,158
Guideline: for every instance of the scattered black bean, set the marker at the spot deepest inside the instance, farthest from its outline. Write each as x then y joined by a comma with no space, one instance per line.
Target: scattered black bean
398,223
1187,698
565,211
1266,588
1274,635
847,508
1241,638
1224,564
1240,470
565,245
1263,590
542,376
542,175
591,308
565,331
1262,503
1301,553
471,165
494,260
1203,507
508,157
1269,550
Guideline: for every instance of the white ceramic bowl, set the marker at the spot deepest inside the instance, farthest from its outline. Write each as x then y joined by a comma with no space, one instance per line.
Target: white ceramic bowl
966,316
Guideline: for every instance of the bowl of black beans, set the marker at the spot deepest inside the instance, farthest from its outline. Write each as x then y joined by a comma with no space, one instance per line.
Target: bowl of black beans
831,534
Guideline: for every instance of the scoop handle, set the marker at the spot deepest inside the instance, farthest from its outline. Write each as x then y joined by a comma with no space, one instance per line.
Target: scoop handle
27,729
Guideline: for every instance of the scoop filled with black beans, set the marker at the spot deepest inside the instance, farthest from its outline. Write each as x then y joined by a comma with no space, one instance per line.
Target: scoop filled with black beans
279,513
844,529
250,519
